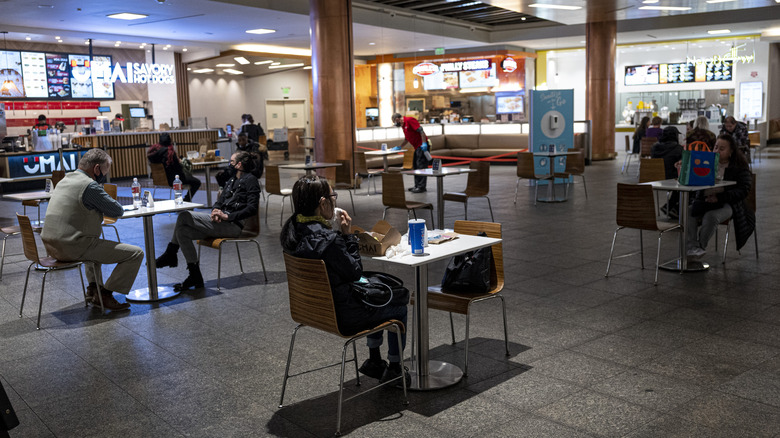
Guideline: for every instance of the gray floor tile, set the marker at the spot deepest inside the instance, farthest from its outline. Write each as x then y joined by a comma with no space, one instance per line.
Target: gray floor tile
736,415
654,391
577,368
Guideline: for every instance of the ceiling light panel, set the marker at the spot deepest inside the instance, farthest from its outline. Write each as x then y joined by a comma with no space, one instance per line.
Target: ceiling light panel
300,64
226,65
241,60
263,62
718,31
203,70
232,71
665,8
260,31
127,16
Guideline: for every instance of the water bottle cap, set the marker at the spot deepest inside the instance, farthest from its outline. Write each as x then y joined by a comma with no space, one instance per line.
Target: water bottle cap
177,177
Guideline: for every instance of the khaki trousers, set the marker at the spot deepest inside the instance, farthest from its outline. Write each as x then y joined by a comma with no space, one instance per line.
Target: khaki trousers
128,259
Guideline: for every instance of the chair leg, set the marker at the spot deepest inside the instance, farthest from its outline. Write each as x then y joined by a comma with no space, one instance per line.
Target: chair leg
266,207
433,222
40,304
354,359
384,213
341,388
657,259
641,250
452,329
98,281
506,332
117,234
262,263
725,244
240,265
219,265
287,368
352,201
281,213
466,360
585,186
611,251
466,210
490,207
517,184
400,348
755,234
536,192
2,257
24,291
83,289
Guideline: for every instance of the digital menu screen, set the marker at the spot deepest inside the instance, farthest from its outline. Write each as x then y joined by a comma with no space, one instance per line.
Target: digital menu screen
34,74
479,78
80,76
58,75
509,104
642,75
710,71
676,73
440,81
11,74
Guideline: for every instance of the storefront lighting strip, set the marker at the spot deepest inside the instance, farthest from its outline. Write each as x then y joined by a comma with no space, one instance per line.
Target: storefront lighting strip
203,70
666,8
232,71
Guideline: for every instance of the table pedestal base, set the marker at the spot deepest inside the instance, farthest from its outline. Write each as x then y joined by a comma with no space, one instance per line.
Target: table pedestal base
440,375
693,266
143,295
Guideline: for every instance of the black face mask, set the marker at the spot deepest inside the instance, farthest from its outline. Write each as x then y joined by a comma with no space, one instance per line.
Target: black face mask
232,170
100,179
398,124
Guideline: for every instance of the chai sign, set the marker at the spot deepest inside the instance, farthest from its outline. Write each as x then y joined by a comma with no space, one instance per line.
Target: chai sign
21,166
139,73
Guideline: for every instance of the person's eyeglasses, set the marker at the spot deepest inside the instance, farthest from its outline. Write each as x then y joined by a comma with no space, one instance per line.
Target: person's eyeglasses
334,195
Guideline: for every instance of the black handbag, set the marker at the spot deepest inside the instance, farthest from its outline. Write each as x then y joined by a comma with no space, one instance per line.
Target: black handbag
380,289
8,419
469,272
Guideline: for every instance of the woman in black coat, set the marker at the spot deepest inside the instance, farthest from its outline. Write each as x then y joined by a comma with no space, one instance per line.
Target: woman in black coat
711,207
164,152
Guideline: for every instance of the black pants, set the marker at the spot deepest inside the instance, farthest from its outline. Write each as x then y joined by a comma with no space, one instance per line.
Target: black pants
191,181
420,162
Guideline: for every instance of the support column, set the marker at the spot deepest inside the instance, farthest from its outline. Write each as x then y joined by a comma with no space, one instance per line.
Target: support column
601,39
333,79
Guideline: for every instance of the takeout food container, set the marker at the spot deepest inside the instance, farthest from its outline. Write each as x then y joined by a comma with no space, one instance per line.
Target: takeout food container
374,243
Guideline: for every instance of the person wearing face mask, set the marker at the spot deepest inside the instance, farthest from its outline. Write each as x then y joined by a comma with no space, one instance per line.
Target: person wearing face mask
238,201
164,153
244,144
73,227
414,135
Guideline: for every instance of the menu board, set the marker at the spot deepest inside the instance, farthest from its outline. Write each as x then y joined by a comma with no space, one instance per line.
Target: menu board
642,75
58,75
34,74
440,81
710,71
102,87
676,73
479,78
751,99
509,104
80,76
11,74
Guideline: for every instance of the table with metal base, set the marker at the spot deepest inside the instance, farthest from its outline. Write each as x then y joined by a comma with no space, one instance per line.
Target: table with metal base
439,175
683,265
384,154
433,374
154,292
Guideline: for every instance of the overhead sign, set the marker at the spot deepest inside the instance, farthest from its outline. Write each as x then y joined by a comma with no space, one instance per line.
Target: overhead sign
475,64
509,65
20,166
425,69
732,56
140,73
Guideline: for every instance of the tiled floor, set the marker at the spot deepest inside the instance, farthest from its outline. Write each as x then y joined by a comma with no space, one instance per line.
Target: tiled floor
698,355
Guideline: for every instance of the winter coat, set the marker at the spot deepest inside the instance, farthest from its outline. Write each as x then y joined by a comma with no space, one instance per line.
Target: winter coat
743,217
671,152
240,198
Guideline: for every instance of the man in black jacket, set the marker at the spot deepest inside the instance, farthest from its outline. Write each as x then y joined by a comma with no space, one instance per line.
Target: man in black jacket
239,201
669,148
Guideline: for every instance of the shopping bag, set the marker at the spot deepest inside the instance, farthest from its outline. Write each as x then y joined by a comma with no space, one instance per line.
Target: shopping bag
699,168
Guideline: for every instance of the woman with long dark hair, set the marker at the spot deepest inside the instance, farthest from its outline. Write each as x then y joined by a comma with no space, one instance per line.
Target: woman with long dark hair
639,133
165,152
309,233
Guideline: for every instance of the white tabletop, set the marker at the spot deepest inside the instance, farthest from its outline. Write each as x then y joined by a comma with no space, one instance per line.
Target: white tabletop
209,163
463,243
304,166
386,152
439,173
24,178
28,196
674,185
167,206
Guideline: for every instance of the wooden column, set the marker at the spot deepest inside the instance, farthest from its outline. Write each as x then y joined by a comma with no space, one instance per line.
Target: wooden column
601,39
332,79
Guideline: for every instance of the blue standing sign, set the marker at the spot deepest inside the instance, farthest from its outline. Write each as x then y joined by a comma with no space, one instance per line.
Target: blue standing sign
552,127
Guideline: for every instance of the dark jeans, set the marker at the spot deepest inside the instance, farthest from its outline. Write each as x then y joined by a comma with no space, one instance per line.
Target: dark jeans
374,340
420,162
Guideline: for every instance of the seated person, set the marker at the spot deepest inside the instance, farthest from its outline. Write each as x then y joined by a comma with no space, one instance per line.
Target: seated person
655,128
237,202
308,234
711,207
244,144
668,148
73,226
165,152
701,132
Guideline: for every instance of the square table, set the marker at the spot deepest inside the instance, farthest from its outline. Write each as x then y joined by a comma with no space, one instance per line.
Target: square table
29,196
551,183
207,165
673,185
384,154
309,168
153,292
433,374
439,175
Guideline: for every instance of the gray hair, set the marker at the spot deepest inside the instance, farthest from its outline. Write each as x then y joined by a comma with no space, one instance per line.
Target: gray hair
95,156
702,123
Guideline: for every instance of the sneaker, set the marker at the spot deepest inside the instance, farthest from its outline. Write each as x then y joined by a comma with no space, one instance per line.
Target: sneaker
696,253
373,368
109,302
394,373
418,190
411,189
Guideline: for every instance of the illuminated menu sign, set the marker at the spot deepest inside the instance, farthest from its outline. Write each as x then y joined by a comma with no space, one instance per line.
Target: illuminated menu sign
58,75
471,65
34,74
11,74
479,78
440,81
678,73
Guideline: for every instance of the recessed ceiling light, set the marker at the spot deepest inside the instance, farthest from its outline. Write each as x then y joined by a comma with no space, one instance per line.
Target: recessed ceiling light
189,69
650,2
548,6
666,8
127,16
371,44
523,18
241,60
718,31
86,42
260,31
233,72
263,62
300,64
57,38
226,65
275,63
28,38
420,50
46,6
203,70
165,48
141,46
119,42
184,49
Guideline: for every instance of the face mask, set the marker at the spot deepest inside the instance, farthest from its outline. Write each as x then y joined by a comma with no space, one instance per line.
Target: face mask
232,169
100,179
398,124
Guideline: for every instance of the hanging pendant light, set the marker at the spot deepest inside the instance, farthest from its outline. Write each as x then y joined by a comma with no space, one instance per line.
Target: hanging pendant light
8,88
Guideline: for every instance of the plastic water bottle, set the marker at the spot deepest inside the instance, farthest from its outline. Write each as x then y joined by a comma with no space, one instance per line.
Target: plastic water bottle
177,190
136,188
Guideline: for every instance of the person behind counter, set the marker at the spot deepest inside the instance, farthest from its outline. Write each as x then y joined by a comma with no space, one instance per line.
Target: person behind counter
40,135
414,135
74,222
164,152
639,134
117,123
308,234
238,201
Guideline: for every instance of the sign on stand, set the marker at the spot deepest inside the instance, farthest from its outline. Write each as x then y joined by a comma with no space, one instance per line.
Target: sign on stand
552,127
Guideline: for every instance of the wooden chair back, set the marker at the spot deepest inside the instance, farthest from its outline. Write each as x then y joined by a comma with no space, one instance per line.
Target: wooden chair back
651,169
110,189
311,300
393,192
56,177
751,197
525,165
478,183
575,164
28,238
344,174
408,159
159,178
361,168
647,146
492,229
636,207
273,183
628,144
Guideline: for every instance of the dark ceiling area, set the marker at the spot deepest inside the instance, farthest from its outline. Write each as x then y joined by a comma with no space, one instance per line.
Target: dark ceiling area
465,10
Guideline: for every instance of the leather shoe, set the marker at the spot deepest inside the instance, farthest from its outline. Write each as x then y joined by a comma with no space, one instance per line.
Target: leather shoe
91,292
394,373
109,302
411,189
418,190
373,368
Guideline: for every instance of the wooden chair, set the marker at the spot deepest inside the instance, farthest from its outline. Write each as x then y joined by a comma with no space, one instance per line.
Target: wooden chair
47,264
362,171
273,186
344,180
461,302
9,231
160,179
646,146
636,209
56,177
110,221
311,304
575,166
629,154
525,170
477,186
652,169
408,161
394,196
248,234
750,203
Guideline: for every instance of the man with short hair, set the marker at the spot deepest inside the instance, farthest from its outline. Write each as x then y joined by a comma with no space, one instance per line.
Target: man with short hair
73,227
415,135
